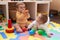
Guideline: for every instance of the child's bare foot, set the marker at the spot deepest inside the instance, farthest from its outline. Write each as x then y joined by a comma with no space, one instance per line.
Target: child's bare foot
18,30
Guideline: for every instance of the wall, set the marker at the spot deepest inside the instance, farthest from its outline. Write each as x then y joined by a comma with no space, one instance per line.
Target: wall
55,4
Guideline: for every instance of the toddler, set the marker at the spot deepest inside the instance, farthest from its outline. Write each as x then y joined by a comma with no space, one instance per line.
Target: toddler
41,22
21,17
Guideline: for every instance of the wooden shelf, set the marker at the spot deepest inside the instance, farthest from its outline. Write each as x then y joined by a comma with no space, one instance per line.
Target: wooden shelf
33,6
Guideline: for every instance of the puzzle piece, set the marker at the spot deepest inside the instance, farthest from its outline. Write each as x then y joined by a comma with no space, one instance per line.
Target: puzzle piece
3,35
33,38
26,36
37,39
18,35
7,35
55,36
52,24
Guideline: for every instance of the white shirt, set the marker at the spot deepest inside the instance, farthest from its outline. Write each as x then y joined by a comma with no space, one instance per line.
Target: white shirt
42,26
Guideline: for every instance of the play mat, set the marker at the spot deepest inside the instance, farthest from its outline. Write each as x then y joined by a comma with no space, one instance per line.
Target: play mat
54,28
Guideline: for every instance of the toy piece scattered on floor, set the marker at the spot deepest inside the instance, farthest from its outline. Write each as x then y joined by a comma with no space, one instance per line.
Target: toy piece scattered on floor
32,32
24,29
40,32
10,29
1,28
3,35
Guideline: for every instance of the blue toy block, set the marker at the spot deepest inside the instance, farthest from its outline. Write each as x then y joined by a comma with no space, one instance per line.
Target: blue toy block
52,24
32,32
14,39
3,35
17,35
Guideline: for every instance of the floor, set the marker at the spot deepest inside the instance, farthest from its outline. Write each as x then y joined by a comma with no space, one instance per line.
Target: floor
56,19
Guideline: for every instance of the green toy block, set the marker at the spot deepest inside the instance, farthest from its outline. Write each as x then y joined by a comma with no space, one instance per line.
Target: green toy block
41,32
1,28
34,30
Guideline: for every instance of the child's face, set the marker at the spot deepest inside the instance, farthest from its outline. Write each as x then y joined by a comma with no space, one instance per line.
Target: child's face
39,20
21,8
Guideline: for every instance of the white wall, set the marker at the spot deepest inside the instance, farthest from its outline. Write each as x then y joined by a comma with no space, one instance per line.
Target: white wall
55,4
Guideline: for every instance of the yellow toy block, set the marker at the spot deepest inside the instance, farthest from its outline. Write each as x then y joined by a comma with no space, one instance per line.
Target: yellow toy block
1,38
9,35
33,38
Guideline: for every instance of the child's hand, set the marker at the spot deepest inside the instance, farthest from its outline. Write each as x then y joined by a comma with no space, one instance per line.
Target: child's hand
19,30
25,12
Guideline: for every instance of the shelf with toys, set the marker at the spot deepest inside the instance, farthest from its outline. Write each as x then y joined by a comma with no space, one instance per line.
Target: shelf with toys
33,7
26,0
11,0
44,0
3,11
43,7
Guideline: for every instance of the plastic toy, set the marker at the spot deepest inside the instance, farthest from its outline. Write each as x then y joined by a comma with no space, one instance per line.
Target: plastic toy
40,32
1,28
3,35
24,29
10,29
31,32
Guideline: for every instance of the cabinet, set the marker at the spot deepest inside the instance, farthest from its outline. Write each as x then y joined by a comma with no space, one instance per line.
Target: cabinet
34,8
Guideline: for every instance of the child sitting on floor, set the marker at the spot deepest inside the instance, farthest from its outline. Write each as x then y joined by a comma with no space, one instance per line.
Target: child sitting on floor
21,17
41,22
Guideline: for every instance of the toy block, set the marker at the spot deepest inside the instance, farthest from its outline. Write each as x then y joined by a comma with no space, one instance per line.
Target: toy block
10,29
3,35
1,28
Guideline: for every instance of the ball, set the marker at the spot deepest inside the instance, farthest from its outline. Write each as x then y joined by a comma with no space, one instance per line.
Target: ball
32,32
40,32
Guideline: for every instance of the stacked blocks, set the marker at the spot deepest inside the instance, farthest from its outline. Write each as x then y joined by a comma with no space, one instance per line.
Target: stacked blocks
10,29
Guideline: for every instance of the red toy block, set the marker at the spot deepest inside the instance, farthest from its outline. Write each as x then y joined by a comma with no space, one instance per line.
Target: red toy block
24,29
9,23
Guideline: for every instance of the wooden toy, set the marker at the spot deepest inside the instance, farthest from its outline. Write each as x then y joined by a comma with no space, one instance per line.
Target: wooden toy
10,29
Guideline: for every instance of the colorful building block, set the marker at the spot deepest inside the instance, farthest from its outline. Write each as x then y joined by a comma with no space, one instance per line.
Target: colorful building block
1,28
3,35
41,32
10,29
31,32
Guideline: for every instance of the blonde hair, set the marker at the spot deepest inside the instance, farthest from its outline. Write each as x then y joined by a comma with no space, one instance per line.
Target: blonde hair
43,18
19,3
